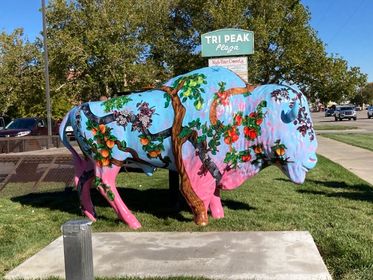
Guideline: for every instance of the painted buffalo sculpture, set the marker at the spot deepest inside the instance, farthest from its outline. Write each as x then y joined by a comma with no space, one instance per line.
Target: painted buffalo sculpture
209,125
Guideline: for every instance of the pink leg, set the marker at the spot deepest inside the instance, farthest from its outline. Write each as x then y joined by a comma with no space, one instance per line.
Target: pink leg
108,189
86,202
216,208
200,178
84,174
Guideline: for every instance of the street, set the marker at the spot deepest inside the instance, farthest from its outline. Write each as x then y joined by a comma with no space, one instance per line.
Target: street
362,121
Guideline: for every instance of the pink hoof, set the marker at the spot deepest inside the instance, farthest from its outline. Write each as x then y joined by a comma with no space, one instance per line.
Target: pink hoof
217,213
132,222
89,216
127,217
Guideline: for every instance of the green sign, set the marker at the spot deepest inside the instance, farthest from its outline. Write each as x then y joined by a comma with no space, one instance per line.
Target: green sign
227,42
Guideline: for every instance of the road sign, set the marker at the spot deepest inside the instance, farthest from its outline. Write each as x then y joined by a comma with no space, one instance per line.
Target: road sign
227,42
235,64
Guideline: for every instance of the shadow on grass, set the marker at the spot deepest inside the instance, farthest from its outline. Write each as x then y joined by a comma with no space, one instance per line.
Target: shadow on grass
362,196
237,205
156,202
343,185
362,192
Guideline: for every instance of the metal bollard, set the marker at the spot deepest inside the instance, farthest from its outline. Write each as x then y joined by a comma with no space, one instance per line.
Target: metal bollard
77,244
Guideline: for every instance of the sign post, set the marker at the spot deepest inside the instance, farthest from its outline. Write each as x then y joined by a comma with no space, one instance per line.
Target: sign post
228,44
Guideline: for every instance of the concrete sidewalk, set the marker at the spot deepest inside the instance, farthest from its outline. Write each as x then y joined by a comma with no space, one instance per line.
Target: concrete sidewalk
357,160
217,255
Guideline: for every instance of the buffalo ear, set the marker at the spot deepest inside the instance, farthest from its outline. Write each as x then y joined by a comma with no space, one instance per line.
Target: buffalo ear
290,115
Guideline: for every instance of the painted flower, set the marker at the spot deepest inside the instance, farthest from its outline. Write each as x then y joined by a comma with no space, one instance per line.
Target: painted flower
123,117
145,120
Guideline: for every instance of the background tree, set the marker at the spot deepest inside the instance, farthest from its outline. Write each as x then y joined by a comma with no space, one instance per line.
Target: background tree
286,46
365,96
21,91
96,47
104,47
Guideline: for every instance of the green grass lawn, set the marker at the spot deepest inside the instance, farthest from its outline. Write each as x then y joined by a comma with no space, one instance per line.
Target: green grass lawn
334,205
333,127
361,140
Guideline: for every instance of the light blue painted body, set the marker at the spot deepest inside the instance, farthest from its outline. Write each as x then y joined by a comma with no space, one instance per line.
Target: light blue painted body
238,131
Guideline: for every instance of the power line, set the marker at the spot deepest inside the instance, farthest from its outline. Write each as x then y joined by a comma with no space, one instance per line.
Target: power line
348,19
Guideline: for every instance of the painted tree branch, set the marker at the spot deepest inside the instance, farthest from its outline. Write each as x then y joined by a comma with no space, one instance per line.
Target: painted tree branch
193,200
111,118
233,91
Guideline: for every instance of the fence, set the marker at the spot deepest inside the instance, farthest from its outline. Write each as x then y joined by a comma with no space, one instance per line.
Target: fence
36,169
28,143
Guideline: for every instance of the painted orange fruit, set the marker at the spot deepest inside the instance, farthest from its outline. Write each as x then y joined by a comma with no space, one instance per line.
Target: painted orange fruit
94,131
144,141
238,120
245,158
280,151
102,128
234,138
258,150
105,162
154,154
104,153
250,133
227,140
110,144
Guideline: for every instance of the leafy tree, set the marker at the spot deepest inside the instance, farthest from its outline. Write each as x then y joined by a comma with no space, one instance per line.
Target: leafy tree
96,47
286,46
365,96
21,76
367,92
337,82
104,47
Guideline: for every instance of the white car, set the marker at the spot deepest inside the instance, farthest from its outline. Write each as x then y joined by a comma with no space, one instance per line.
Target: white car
69,131
345,112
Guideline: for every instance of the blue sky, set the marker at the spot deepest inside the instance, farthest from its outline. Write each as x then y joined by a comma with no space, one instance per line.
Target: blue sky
345,26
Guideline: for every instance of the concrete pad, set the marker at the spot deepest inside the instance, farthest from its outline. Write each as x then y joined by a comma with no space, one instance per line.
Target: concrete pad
215,255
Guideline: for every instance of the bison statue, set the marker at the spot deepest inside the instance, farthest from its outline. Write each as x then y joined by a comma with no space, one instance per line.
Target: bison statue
210,126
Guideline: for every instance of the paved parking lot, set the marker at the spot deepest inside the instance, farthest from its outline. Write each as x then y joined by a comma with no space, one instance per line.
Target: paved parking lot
362,122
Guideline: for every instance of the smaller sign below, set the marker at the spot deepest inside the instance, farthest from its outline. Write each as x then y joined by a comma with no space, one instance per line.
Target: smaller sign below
236,64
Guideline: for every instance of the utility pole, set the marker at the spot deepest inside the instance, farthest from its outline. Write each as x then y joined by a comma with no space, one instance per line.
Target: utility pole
46,74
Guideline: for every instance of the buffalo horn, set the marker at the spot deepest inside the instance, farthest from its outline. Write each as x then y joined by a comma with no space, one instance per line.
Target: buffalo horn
290,115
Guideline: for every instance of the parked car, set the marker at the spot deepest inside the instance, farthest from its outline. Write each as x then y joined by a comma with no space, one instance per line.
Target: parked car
345,112
70,132
4,121
26,127
370,112
329,112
